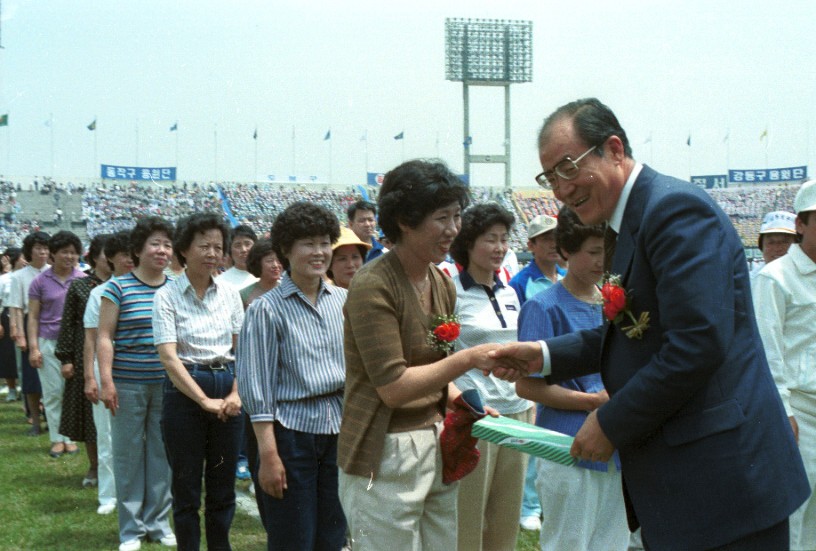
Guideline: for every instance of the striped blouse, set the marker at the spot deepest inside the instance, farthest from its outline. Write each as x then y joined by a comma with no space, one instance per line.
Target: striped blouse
135,359
289,363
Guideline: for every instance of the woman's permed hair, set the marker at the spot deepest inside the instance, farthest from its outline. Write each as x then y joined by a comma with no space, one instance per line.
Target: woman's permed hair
200,222
413,190
299,221
63,239
570,233
259,250
476,221
117,243
97,247
34,238
145,227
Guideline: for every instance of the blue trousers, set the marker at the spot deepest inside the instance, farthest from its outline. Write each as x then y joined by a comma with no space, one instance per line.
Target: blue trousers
199,444
309,517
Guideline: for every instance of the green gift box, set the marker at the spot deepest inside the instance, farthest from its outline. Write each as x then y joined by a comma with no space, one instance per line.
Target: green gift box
525,437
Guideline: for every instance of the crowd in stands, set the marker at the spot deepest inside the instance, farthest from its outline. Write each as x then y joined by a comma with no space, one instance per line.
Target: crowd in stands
112,207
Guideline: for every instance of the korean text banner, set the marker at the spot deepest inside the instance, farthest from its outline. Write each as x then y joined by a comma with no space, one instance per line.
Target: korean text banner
164,174
763,175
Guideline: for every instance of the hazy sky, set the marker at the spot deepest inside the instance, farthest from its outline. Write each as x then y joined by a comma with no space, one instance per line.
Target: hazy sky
669,70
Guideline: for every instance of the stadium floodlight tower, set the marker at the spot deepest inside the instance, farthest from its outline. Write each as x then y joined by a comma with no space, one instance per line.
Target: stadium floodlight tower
488,52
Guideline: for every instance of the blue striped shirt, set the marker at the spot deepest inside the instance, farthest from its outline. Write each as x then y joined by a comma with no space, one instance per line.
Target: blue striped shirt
551,313
289,365
135,359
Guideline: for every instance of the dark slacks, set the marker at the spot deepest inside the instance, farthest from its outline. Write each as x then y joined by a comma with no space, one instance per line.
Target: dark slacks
309,517
199,444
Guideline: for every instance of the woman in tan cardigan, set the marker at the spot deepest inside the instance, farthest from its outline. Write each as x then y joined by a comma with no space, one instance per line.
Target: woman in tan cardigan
398,384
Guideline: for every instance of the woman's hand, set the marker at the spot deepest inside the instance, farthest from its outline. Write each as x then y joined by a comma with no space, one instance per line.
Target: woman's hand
213,405
272,476
91,390
35,358
67,371
110,397
493,412
232,405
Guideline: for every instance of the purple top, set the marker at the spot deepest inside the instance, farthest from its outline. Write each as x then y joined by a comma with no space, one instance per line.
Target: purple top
51,291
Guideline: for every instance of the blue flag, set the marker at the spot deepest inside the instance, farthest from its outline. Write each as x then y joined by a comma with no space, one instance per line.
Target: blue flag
400,136
327,136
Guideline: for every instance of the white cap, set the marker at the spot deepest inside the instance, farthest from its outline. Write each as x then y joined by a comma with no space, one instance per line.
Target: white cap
778,221
806,197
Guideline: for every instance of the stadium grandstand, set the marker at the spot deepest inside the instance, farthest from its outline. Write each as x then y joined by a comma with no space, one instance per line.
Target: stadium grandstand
107,207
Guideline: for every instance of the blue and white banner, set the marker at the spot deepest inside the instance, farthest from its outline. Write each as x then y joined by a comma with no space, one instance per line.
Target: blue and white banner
710,182
765,175
375,178
164,174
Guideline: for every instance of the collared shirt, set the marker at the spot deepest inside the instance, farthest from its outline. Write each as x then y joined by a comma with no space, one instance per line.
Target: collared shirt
237,278
19,285
616,220
50,290
290,365
530,281
784,295
615,223
201,328
487,314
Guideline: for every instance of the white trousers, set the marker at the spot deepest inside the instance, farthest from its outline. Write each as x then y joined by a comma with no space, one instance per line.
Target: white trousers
803,520
406,507
583,510
53,387
104,448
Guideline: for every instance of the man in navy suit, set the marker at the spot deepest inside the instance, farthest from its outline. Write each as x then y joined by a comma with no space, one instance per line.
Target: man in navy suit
709,460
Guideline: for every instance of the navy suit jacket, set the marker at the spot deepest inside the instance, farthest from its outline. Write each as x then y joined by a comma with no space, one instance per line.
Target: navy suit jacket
708,455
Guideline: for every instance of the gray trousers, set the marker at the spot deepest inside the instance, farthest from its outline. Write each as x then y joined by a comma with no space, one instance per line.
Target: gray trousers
140,464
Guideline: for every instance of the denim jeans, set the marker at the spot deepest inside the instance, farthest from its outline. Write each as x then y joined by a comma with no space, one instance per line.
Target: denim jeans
197,444
309,517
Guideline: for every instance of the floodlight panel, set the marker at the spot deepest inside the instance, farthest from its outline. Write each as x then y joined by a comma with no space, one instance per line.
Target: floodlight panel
488,50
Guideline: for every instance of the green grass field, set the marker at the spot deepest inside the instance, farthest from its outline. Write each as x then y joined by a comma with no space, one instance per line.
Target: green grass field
45,508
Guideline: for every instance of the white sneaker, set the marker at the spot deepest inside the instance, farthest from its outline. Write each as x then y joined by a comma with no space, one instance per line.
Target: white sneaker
106,509
131,545
168,541
12,395
530,523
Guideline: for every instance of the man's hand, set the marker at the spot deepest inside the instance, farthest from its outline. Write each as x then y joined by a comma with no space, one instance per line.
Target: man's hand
504,367
591,444
523,358
272,476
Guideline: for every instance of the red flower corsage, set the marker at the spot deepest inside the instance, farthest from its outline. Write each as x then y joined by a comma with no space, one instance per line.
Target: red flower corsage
616,302
443,333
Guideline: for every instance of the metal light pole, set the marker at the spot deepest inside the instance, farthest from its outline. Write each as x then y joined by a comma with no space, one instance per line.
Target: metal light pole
488,52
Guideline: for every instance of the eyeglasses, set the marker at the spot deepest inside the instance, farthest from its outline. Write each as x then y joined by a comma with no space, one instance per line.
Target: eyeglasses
566,169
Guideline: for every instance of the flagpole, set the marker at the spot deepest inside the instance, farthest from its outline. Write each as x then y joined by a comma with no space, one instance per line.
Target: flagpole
255,139
177,145
96,156
215,149
137,141
51,128
330,156
403,146
365,138
437,144
293,152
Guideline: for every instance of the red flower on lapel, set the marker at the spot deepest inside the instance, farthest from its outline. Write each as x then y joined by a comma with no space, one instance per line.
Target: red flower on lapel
444,332
616,308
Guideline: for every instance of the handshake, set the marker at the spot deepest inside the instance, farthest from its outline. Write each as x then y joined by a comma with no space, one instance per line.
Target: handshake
508,362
